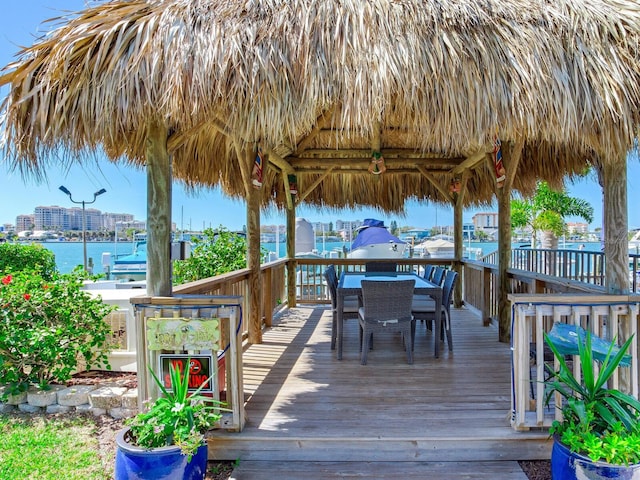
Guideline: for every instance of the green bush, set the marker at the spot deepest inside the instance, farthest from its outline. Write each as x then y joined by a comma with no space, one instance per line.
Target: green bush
218,252
48,326
15,257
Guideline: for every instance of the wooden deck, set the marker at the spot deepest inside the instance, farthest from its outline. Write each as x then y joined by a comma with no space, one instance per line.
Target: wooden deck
303,404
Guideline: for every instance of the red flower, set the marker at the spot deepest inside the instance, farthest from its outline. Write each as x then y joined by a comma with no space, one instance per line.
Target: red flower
26,296
7,280
45,286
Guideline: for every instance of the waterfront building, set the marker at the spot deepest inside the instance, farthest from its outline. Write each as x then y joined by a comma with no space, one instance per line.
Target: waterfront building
25,222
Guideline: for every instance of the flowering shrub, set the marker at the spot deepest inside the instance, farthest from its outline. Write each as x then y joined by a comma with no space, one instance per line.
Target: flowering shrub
48,326
15,257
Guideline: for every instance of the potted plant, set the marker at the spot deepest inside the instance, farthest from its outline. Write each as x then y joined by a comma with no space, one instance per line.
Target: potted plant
599,436
167,441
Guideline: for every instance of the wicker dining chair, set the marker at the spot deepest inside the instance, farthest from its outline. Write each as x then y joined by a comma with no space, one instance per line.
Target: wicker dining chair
424,309
438,275
386,307
428,272
380,267
350,307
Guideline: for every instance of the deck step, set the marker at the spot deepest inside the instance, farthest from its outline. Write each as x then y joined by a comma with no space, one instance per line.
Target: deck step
524,446
367,470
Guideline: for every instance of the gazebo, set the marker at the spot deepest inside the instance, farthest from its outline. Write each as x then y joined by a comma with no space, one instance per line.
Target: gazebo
344,102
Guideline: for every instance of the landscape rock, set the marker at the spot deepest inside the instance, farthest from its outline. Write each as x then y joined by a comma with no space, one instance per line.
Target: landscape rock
120,412
58,408
17,399
130,399
26,408
6,408
76,395
107,397
42,398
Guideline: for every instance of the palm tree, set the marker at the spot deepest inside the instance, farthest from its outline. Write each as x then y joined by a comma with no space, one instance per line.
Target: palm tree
546,212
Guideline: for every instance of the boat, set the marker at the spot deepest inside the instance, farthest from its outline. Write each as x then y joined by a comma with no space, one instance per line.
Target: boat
131,267
436,248
374,241
634,243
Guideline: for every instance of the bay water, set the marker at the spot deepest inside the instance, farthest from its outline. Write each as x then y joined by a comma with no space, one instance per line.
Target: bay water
69,254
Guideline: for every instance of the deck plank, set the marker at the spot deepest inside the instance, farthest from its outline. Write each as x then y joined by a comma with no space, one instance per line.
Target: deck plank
267,470
304,404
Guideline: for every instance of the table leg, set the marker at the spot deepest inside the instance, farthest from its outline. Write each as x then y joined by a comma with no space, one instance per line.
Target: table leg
340,324
438,324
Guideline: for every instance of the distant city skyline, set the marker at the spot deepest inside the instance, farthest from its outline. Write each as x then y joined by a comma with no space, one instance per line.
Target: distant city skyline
126,186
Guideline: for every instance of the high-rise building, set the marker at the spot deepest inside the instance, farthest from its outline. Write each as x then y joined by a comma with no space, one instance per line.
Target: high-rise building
48,218
25,222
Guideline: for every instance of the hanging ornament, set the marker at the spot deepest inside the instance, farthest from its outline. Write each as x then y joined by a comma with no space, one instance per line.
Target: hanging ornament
293,184
256,173
497,162
454,186
377,164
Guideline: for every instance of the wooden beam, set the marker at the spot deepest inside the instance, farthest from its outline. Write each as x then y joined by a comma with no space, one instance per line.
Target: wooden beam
470,162
358,171
291,255
253,256
445,192
313,186
458,224
325,162
361,154
287,192
158,210
511,157
615,228
279,162
317,128
245,169
177,139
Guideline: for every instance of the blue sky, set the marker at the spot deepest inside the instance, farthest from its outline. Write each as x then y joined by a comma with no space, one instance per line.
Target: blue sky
126,187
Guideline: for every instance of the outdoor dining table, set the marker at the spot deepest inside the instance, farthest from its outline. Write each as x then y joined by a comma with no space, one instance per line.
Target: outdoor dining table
351,284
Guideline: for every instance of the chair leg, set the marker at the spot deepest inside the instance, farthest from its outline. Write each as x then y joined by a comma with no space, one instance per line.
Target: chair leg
447,326
334,331
364,347
409,349
413,334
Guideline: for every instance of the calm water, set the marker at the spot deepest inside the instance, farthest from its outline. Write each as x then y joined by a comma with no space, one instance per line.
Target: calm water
69,254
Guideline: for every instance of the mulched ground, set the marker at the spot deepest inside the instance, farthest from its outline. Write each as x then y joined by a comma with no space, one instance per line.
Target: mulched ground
107,428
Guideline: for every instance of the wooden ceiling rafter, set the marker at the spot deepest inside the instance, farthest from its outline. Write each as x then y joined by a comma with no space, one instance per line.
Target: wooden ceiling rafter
314,185
471,162
443,191
442,163
317,128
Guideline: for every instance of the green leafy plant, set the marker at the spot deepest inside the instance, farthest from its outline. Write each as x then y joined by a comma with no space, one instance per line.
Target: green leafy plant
546,211
176,418
599,422
219,251
15,257
48,326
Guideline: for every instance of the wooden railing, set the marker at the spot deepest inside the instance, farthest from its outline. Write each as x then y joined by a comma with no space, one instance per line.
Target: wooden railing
480,286
273,278
580,265
607,316
310,284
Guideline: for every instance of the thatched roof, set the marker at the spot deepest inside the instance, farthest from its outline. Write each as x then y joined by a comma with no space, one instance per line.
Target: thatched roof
321,84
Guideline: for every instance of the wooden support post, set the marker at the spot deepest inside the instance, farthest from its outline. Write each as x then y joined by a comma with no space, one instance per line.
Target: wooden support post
458,236
504,257
486,297
158,211
268,297
616,242
511,158
291,255
458,240
253,254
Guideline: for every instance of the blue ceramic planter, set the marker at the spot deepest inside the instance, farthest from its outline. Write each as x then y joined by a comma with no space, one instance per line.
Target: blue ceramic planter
164,463
566,465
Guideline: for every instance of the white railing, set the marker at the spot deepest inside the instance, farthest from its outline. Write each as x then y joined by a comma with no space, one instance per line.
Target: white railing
607,316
